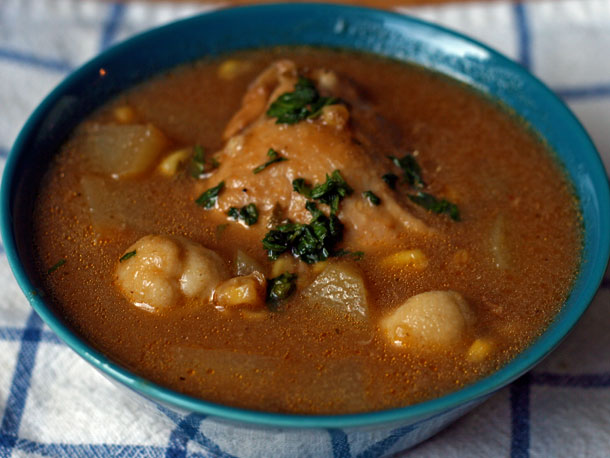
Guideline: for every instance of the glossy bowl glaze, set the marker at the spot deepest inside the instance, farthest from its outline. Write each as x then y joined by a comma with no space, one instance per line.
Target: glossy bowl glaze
241,432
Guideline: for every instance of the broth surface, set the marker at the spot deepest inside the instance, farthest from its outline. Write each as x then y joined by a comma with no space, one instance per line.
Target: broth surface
296,359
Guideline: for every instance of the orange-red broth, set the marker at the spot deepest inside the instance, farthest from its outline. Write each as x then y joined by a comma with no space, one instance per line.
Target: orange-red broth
299,359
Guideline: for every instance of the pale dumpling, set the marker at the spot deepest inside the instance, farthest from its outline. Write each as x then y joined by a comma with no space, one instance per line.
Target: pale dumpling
434,318
164,269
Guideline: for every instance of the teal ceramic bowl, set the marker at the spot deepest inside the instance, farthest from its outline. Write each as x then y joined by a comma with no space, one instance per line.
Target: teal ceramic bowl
232,431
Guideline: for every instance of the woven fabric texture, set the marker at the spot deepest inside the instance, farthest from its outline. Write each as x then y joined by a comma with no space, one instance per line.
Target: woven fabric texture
53,404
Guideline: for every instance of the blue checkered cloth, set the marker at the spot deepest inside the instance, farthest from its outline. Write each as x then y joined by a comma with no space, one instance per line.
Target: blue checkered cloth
54,404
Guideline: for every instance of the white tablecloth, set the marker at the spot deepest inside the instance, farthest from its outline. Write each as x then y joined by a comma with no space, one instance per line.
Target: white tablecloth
54,404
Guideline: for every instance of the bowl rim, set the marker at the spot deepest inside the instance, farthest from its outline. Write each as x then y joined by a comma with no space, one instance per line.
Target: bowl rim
524,361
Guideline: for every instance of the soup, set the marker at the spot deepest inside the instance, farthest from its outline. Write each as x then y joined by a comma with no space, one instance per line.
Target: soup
287,230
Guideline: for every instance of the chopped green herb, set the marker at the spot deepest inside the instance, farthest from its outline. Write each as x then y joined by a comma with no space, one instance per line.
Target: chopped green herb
128,255
315,241
281,287
330,193
334,184
199,166
198,162
248,214
209,198
56,266
372,197
311,242
316,108
281,238
233,213
390,180
273,158
413,176
300,185
356,255
435,205
303,103
411,170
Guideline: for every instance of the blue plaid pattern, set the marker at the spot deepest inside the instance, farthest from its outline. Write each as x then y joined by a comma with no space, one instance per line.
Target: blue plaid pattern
507,424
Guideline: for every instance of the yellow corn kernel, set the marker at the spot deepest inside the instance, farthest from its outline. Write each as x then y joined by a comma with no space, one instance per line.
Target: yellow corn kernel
231,68
124,114
248,291
411,258
479,350
283,264
172,163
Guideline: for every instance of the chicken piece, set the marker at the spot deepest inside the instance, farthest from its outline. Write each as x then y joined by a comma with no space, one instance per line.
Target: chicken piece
164,269
434,318
280,77
312,148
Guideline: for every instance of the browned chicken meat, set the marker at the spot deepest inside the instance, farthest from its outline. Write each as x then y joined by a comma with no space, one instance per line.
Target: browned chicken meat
310,149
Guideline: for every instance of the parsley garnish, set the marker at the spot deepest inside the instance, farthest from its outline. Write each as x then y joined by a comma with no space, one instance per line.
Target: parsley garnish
330,193
435,205
390,180
356,255
56,266
315,241
303,103
209,198
248,214
300,185
128,255
372,197
411,170
274,157
311,242
199,166
413,176
281,287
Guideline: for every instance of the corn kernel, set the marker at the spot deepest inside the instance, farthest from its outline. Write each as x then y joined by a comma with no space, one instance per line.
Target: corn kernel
171,164
247,291
479,350
124,114
283,264
411,258
231,68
